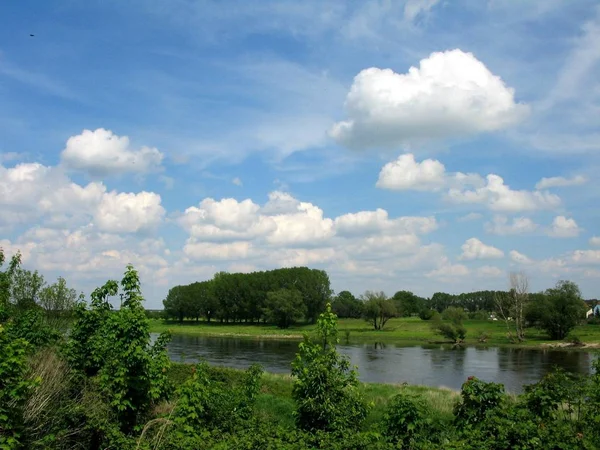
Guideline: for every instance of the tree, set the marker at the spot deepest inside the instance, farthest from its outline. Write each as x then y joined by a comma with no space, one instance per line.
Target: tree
347,305
378,309
562,309
284,307
326,387
26,288
58,301
452,327
175,303
511,306
6,278
114,348
408,303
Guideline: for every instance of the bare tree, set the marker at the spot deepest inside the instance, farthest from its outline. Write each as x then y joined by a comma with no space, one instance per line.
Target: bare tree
519,291
511,306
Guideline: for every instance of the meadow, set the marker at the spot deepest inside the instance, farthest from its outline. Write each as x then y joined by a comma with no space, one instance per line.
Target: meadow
405,330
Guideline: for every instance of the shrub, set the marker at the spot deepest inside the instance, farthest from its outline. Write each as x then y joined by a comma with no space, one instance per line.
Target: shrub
406,418
454,314
205,404
326,388
113,348
477,399
15,388
479,315
426,314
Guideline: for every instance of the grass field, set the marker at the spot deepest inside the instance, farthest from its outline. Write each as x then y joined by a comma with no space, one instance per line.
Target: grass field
399,330
275,403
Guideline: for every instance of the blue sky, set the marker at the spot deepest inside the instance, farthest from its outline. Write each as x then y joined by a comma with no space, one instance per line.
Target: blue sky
425,145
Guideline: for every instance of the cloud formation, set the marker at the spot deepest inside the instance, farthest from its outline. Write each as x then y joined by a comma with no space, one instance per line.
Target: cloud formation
475,249
551,182
563,227
450,94
518,225
100,153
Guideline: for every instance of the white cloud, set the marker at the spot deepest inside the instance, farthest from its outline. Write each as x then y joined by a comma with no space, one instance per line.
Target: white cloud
32,192
475,249
519,225
595,240
448,271
226,219
520,258
129,212
406,173
230,251
563,227
101,153
237,181
586,256
498,196
489,272
450,94
551,182
306,226
367,222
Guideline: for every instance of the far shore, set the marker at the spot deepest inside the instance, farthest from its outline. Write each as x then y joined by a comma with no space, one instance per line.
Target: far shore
398,331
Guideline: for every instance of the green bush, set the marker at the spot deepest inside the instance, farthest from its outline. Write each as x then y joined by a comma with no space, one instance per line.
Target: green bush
406,420
477,399
112,350
15,388
207,404
326,388
427,314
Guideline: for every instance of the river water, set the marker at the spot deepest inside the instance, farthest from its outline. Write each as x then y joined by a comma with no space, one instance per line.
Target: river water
387,363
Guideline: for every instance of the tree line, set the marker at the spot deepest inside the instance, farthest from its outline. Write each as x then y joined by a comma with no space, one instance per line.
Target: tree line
281,296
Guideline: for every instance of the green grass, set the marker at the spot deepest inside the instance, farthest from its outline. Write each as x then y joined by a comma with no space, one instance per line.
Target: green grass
399,330
275,403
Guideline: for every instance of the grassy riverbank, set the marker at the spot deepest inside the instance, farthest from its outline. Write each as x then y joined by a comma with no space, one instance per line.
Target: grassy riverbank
399,331
275,404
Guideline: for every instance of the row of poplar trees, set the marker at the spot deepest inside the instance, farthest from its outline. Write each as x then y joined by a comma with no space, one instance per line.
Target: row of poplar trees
282,296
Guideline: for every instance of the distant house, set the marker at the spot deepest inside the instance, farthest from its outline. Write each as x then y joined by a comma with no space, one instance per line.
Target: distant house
597,310
589,313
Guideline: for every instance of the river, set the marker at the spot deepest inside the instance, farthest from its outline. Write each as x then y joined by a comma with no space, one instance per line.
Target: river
387,363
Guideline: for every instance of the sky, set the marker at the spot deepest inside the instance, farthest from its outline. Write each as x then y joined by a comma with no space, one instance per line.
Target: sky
422,145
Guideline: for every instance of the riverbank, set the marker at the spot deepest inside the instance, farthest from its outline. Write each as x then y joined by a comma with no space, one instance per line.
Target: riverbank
399,331
275,404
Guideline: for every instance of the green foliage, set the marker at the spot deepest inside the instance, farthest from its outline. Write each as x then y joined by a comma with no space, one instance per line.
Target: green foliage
284,307
478,398
6,280
479,315
114,348
208,404
427,314
31,325
26,287
14,389
326,388
454,314
346,305
378,309
561,309
406,420
58,301
453,327
243,296
407,303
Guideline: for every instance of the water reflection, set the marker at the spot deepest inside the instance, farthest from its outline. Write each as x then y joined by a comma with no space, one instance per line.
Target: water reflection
434,365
